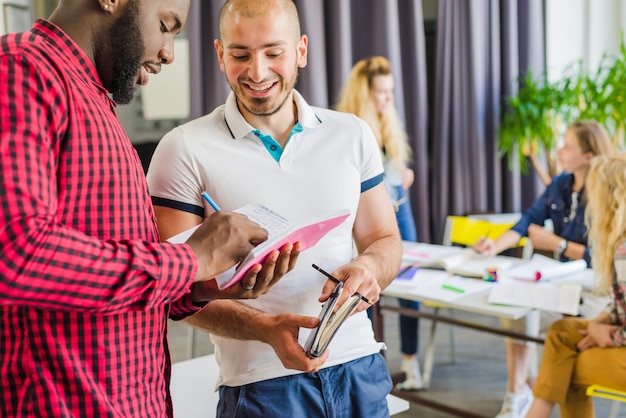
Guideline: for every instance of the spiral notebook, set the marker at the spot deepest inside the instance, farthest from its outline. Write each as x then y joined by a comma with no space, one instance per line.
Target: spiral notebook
330,321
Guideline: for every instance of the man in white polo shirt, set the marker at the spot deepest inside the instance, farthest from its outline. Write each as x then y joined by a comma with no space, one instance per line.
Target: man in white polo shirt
267,145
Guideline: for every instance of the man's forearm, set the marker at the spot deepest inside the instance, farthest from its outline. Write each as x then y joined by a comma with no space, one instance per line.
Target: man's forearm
230,319
383,258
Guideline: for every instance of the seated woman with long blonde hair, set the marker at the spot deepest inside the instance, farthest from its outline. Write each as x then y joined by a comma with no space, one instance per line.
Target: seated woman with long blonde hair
581,352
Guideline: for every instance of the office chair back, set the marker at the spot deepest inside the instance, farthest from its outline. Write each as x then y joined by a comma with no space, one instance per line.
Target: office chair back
466,230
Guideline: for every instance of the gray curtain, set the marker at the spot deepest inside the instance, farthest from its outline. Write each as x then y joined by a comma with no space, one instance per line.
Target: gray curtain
482,46
208,85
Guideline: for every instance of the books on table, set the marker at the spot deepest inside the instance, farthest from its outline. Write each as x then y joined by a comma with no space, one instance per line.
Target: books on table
456,260
280,230
438,285
540,267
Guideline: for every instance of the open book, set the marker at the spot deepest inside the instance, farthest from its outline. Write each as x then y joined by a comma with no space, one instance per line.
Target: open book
563,298
330,321
469,263
280,232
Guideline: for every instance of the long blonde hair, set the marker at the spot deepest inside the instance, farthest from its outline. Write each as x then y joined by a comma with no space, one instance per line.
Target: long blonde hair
605,214
357,97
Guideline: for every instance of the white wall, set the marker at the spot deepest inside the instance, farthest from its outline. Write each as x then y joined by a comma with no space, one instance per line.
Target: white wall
18,18
166,97
581,30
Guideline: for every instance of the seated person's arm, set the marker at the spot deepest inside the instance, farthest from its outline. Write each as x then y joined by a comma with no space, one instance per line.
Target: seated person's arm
489,247
545,240
576,251
601,333
531,217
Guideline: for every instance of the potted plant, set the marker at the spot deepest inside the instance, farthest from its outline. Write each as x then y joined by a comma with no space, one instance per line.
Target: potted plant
534,118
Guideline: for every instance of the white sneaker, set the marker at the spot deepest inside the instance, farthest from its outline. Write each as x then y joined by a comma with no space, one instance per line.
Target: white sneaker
516,405
413,380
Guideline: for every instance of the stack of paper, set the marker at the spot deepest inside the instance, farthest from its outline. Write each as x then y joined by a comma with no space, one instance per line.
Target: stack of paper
563,298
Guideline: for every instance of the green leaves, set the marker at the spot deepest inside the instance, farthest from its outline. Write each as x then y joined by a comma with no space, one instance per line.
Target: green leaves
533,120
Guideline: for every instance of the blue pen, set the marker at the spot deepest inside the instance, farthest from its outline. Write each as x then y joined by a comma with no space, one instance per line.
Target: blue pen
211,202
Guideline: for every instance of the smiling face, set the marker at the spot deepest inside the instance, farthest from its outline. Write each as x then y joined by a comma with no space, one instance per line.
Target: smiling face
260,53
137,43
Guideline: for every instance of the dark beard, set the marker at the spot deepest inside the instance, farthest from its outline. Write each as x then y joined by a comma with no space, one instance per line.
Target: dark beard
127,45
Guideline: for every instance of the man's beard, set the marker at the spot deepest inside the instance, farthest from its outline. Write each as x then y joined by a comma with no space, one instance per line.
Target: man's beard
264,106
127,45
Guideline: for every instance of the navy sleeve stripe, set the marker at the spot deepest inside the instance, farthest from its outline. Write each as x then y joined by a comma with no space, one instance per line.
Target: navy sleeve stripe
185,207
374,181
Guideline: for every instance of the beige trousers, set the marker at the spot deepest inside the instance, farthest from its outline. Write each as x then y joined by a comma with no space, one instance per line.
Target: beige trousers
565,373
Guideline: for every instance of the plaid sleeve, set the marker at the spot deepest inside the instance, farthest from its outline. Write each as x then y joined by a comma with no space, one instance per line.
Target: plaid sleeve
44,263
185,307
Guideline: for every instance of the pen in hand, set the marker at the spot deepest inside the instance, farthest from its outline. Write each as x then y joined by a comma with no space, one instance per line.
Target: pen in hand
206,197
336,280
330,276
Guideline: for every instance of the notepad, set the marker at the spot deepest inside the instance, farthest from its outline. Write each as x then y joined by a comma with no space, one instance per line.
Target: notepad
280,232
330,321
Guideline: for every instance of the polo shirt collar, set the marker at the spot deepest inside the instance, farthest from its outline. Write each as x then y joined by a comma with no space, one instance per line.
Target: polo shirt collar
239,127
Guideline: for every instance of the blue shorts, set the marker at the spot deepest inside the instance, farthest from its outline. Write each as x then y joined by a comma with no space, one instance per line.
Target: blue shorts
355,389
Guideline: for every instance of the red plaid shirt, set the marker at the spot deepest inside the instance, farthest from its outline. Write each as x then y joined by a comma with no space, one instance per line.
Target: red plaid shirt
85,287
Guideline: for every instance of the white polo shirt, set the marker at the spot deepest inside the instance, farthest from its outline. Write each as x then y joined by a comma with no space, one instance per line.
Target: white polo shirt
330,159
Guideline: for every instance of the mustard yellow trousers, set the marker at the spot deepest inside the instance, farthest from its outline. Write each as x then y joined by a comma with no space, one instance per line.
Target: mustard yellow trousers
565,372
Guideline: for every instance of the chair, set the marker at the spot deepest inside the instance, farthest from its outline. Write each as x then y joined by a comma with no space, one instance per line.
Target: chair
465,231
608,393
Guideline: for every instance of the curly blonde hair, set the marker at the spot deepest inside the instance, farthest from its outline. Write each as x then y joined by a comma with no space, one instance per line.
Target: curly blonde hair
357,97
605,214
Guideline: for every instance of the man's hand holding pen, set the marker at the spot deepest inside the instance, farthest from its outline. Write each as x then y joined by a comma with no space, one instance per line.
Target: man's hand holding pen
358,280
223,240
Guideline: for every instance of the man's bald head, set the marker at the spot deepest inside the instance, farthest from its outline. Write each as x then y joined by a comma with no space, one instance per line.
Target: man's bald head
256,8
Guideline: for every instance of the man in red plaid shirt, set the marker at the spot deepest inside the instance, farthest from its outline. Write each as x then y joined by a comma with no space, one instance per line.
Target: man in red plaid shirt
85,286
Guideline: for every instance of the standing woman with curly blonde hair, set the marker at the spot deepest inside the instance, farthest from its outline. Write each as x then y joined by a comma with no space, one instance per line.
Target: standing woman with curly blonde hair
581,352
368,93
